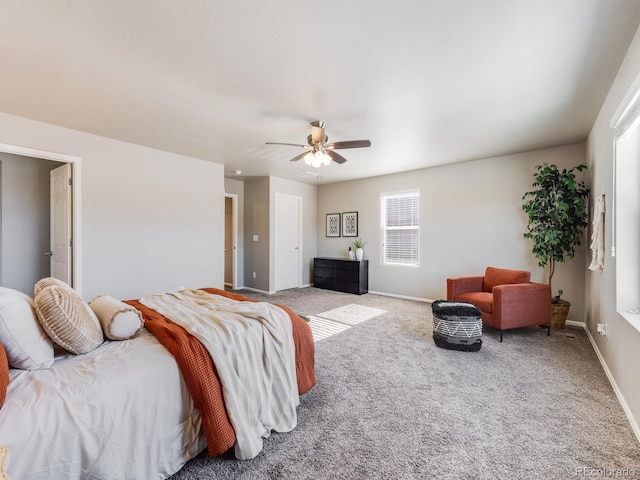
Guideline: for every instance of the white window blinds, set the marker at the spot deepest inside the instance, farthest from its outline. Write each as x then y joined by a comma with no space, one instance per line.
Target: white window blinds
400,225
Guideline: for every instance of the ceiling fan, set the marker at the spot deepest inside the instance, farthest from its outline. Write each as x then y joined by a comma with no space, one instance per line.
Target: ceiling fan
318,152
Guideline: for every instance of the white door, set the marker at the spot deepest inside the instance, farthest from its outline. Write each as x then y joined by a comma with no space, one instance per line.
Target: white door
288,241
60,252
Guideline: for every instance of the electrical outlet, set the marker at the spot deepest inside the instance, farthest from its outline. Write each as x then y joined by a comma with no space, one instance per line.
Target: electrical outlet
254,274
602,329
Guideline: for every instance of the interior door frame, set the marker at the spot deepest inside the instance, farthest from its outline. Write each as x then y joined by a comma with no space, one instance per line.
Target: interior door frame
75,207
234,239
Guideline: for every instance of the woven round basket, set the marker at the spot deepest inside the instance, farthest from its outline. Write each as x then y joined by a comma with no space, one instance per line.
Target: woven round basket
559,313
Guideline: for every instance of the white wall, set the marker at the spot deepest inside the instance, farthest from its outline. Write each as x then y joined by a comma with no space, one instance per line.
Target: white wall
471,217
620,350
150,220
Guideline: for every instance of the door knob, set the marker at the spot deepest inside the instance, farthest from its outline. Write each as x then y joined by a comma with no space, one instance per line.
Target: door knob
49,253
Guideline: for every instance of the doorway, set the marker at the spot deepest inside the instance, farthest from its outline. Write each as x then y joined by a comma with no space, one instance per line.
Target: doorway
231,240
74,206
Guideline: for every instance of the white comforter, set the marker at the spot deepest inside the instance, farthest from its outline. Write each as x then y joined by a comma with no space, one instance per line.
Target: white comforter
122,411
252,346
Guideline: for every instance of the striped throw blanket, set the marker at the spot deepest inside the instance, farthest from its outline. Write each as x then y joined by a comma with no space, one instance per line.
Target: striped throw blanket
252,347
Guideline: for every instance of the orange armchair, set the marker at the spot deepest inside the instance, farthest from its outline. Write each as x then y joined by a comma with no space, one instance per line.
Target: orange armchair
506,298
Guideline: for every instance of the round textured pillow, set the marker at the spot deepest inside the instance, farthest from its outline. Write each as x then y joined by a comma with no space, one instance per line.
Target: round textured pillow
68,321
47,282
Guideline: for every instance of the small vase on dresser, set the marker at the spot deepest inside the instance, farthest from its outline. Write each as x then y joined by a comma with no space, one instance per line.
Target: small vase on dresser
359,244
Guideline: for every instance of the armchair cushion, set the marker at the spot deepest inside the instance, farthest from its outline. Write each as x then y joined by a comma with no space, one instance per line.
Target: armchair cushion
500,276
482,300
459,285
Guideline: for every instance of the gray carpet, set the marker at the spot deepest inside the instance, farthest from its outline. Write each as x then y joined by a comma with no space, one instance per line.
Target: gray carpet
389,404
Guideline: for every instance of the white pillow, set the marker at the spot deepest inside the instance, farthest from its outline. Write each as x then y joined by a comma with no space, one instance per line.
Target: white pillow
68,320
119,320
25,341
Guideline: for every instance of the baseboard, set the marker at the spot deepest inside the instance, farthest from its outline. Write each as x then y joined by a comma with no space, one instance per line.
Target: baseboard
257,290
573,323
266,292
405,297
623,402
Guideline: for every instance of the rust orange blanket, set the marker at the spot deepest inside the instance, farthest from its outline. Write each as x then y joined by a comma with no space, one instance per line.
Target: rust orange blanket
201,376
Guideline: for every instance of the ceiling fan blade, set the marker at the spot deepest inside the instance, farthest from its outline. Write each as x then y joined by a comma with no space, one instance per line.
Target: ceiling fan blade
349,144
289,144
298,157
335,157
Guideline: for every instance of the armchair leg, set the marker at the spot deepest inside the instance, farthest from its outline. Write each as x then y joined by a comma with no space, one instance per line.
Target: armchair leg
548,330
500,337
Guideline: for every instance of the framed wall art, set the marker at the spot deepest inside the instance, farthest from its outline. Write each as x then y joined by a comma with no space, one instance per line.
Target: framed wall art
333,224
350,224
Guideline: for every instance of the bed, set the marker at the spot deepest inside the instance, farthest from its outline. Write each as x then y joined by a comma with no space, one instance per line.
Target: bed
139,408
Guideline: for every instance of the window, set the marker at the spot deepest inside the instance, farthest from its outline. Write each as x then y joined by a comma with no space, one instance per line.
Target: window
625,238
400,228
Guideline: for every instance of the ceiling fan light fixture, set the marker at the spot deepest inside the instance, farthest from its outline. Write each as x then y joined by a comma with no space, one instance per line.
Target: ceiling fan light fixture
308,158
318,159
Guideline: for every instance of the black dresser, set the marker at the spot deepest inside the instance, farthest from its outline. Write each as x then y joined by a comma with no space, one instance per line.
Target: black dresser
341,274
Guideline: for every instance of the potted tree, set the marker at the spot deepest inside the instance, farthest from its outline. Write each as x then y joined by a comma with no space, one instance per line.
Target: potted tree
557,211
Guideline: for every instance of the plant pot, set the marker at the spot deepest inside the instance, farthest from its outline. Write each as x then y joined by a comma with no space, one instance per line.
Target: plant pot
559,313
359,254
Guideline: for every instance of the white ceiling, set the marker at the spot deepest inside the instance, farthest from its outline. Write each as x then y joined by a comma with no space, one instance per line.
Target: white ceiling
429,82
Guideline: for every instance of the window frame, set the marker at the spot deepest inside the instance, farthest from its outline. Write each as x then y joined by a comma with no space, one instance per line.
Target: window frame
625,127
385,228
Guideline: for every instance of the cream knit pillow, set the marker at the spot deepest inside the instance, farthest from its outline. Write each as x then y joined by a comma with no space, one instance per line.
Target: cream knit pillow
119,320
68,321
47,282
